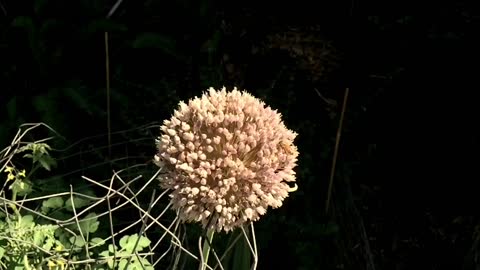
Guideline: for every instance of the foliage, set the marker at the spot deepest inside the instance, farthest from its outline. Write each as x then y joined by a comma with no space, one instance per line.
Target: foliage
32,241
63,228
128,245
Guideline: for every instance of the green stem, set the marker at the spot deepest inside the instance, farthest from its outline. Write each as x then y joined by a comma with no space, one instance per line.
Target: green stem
26,264
34,168
13,206
206,247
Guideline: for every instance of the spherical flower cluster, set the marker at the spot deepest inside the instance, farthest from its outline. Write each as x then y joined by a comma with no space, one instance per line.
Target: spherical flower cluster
226,157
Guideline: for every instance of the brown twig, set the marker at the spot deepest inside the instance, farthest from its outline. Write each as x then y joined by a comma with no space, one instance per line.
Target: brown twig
114,8
2,7
107,77
335,152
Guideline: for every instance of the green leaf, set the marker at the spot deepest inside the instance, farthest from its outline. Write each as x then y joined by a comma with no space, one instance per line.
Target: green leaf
212,45
21,187
49,242
124,241
143,243
77,202
42,103
104,253
145,263
23,21
328,229
129,243
26,222
241,257
77,241
53,203
40,5
47,161
49,26
12,109
2,251
155,41
122,264
88,225
39,154
38,237
105,25
79,100
110,262
96,241
63,237
134,265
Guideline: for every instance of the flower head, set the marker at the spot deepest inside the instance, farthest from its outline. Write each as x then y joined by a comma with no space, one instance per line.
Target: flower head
226,157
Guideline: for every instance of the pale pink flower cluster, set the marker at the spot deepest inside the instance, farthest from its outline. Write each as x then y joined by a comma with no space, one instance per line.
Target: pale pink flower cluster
226,157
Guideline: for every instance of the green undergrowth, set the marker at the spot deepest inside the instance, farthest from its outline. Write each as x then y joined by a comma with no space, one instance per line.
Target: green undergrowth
57,230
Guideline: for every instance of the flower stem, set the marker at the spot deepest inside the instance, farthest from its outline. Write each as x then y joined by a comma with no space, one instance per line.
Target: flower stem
206,247
13,206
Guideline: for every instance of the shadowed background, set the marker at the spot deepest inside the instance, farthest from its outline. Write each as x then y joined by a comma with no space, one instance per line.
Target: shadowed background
404,194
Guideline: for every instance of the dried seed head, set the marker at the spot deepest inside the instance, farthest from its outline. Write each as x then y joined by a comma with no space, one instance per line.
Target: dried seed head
226,154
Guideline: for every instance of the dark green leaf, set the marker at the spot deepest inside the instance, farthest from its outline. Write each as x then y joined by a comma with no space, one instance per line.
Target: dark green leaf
89,224
241,254
77,241
156,41
23,21
105,25
40,5
53,203
79,99
12,109
77,202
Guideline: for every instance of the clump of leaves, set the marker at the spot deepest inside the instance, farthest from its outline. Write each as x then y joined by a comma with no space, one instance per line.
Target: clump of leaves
125,256
39,154
20,186
25,244
35,242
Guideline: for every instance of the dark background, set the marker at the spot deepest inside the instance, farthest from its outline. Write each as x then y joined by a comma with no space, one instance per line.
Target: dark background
405,193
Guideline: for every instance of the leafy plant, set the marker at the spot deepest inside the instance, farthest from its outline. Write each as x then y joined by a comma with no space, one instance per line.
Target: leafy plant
124,257
25,244
30,241
39,154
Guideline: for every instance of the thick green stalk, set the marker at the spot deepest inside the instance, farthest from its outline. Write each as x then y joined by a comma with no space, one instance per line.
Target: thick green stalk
206,248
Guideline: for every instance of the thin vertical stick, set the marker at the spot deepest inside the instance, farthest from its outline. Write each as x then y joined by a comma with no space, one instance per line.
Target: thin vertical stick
107,77
335,151
3,9
114,8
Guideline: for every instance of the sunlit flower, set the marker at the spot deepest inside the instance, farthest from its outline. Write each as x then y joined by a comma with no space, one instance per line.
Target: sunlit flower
227,157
